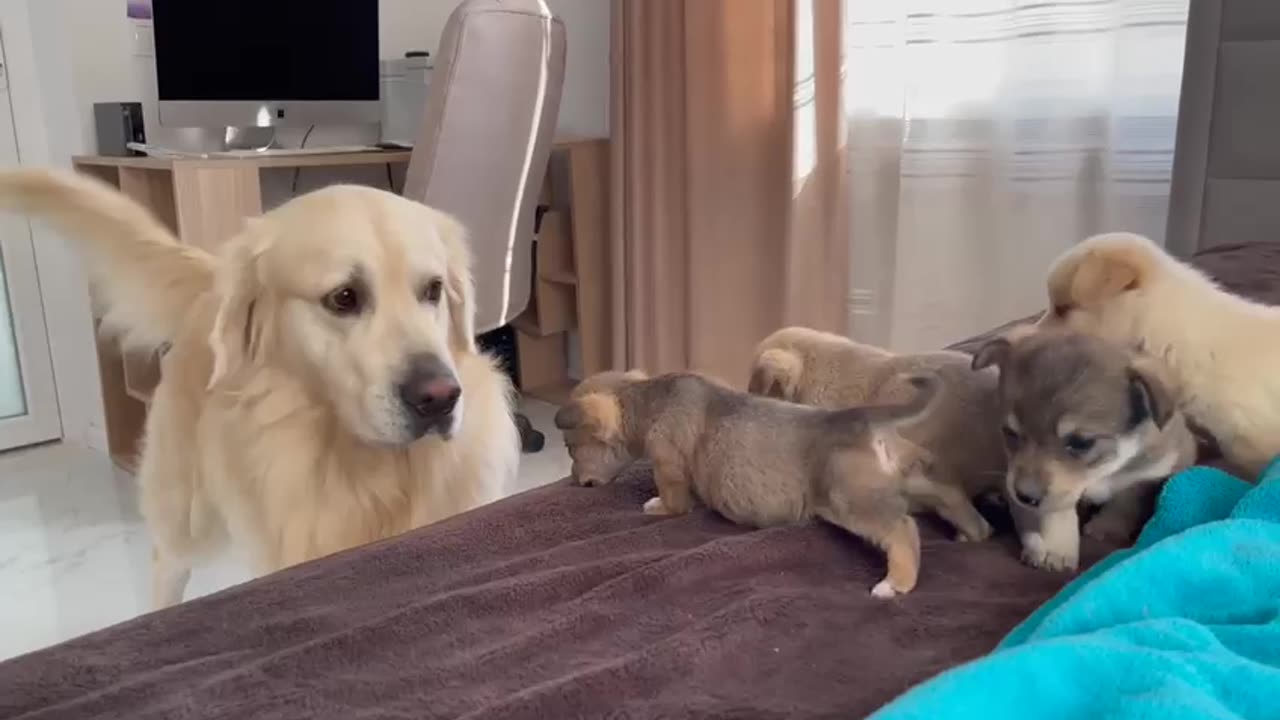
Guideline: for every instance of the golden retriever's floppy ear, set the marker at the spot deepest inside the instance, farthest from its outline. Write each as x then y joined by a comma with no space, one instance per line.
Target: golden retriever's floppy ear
238,333
1149,395
458,283
599,413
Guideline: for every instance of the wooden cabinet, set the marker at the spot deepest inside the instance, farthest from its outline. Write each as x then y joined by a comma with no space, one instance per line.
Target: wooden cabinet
571,274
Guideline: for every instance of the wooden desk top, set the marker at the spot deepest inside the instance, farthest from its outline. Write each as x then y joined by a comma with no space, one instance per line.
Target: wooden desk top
373,157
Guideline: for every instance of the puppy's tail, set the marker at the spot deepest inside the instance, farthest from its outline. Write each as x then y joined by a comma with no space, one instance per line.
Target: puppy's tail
776,373
145,281
928,392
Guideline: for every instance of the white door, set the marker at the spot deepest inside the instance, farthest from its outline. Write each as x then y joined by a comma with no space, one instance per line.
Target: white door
28,403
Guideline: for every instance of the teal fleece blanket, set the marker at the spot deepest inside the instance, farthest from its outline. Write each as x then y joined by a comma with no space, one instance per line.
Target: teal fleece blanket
1186,624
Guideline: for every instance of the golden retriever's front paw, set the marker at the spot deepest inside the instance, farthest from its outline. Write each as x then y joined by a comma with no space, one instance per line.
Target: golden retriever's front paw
655,506
1036,554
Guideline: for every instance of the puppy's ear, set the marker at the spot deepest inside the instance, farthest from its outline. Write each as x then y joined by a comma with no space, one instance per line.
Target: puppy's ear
599,413
1018,333
1149,396
1100,272
568,417
995,352
776,373
239,327
762,383
459,287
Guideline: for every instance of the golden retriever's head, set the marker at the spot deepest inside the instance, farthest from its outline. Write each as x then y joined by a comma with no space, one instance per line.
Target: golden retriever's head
592,423
1098,286
362,296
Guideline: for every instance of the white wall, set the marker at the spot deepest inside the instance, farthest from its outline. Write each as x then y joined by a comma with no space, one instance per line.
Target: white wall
41,79
106,70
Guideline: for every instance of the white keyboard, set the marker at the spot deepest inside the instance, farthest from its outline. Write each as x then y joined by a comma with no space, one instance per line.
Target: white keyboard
287,152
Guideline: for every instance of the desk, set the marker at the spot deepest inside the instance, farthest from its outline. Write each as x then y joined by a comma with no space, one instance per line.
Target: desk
205,201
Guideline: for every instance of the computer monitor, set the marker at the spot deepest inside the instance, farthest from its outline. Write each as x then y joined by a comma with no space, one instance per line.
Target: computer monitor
266,63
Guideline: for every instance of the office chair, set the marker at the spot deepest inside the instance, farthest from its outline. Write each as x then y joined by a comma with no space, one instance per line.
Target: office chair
482,152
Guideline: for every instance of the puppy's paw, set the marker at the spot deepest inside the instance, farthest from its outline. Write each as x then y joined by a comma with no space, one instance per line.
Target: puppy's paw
1036,554
883,590
978,533
1111,528
655,506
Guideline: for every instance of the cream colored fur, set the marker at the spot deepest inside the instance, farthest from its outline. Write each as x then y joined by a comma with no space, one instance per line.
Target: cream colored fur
1222,350
275,424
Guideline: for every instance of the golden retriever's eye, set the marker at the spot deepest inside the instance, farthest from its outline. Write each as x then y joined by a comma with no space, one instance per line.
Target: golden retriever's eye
346,300
432,291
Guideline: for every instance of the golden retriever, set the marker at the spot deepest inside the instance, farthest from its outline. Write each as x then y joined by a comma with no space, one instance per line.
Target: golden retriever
1220,349
322,388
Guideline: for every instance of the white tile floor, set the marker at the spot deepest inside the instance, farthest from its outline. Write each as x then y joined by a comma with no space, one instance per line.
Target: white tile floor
74,554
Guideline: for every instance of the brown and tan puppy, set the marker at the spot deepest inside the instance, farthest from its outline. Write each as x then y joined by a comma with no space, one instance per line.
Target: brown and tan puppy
1221,349
831,371
1084,419
763,462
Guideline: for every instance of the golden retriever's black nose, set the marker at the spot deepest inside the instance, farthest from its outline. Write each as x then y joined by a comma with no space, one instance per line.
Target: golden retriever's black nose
430,389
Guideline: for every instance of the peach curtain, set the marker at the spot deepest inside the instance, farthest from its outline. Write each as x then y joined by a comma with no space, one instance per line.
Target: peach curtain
729,198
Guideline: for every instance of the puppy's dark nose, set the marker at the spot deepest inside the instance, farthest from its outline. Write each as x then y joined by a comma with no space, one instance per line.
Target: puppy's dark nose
430,389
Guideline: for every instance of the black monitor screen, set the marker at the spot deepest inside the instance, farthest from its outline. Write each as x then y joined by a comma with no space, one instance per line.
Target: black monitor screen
266,49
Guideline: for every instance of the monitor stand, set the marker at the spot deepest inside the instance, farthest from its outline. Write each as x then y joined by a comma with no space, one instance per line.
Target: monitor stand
249,138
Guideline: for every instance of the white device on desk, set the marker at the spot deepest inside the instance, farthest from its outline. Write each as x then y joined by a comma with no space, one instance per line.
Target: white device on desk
404,96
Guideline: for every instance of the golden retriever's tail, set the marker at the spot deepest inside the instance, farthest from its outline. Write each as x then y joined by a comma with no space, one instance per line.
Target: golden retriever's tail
776,373
144,280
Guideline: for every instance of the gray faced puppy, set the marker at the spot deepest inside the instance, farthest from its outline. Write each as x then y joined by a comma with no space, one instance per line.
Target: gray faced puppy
759,461
1083,419
963,434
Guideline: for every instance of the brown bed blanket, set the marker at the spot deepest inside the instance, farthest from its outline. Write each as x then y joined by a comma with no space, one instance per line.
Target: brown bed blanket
563,602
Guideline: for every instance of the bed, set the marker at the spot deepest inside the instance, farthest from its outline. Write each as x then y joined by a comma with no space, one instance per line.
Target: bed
566,602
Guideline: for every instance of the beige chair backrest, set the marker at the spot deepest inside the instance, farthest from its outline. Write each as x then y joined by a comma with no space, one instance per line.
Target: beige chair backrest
486,137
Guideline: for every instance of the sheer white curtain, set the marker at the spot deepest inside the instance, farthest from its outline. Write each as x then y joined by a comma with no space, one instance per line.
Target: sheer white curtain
987,136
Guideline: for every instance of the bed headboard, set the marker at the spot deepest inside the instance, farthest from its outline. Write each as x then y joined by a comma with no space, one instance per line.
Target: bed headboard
1226,168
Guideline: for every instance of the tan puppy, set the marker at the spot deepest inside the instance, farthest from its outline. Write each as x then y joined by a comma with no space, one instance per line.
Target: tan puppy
963,434
1084,419
759,461
1221,350
323,388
